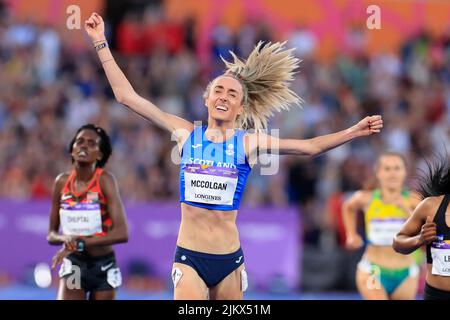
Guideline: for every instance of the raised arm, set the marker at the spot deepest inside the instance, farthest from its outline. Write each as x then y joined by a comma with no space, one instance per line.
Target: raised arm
123,90
419,229
262,143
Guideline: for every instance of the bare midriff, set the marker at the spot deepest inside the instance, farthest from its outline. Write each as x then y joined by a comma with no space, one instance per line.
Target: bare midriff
208,231
386,257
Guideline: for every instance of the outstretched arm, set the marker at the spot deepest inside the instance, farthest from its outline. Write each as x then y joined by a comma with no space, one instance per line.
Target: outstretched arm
123,91
261,143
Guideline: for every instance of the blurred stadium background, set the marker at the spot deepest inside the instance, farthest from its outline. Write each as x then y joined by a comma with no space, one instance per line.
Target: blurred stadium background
291,228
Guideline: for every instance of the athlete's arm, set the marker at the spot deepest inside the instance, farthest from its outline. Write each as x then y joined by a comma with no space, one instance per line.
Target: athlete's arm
119,230
124,92
419,229
262,143
350,208
53,237
414,200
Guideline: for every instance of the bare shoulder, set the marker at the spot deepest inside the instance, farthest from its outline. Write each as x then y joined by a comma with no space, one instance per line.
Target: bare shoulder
362,196
107,178
59,183
428,207
431,202
358,200
182,128
415,198
61,180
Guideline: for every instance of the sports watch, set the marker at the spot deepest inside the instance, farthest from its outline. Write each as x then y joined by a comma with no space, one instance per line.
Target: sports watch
81,245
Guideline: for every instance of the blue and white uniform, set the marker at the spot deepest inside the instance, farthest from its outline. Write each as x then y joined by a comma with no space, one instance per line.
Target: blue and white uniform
212,176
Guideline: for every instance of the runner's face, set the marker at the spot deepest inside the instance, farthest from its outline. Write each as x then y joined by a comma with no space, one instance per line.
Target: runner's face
391,171
86,148
224,101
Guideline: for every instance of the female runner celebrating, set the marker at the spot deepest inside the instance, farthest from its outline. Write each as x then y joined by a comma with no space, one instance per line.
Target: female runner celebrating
216,158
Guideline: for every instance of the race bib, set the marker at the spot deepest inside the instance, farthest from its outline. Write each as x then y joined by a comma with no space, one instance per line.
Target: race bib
440,253
211,185
383,231
81,219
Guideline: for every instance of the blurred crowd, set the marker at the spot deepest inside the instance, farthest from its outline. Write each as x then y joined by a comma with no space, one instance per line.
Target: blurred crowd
46,93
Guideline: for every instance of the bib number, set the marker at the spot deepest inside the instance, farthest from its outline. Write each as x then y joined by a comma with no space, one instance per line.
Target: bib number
440,253
82,219
211,185
383,231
